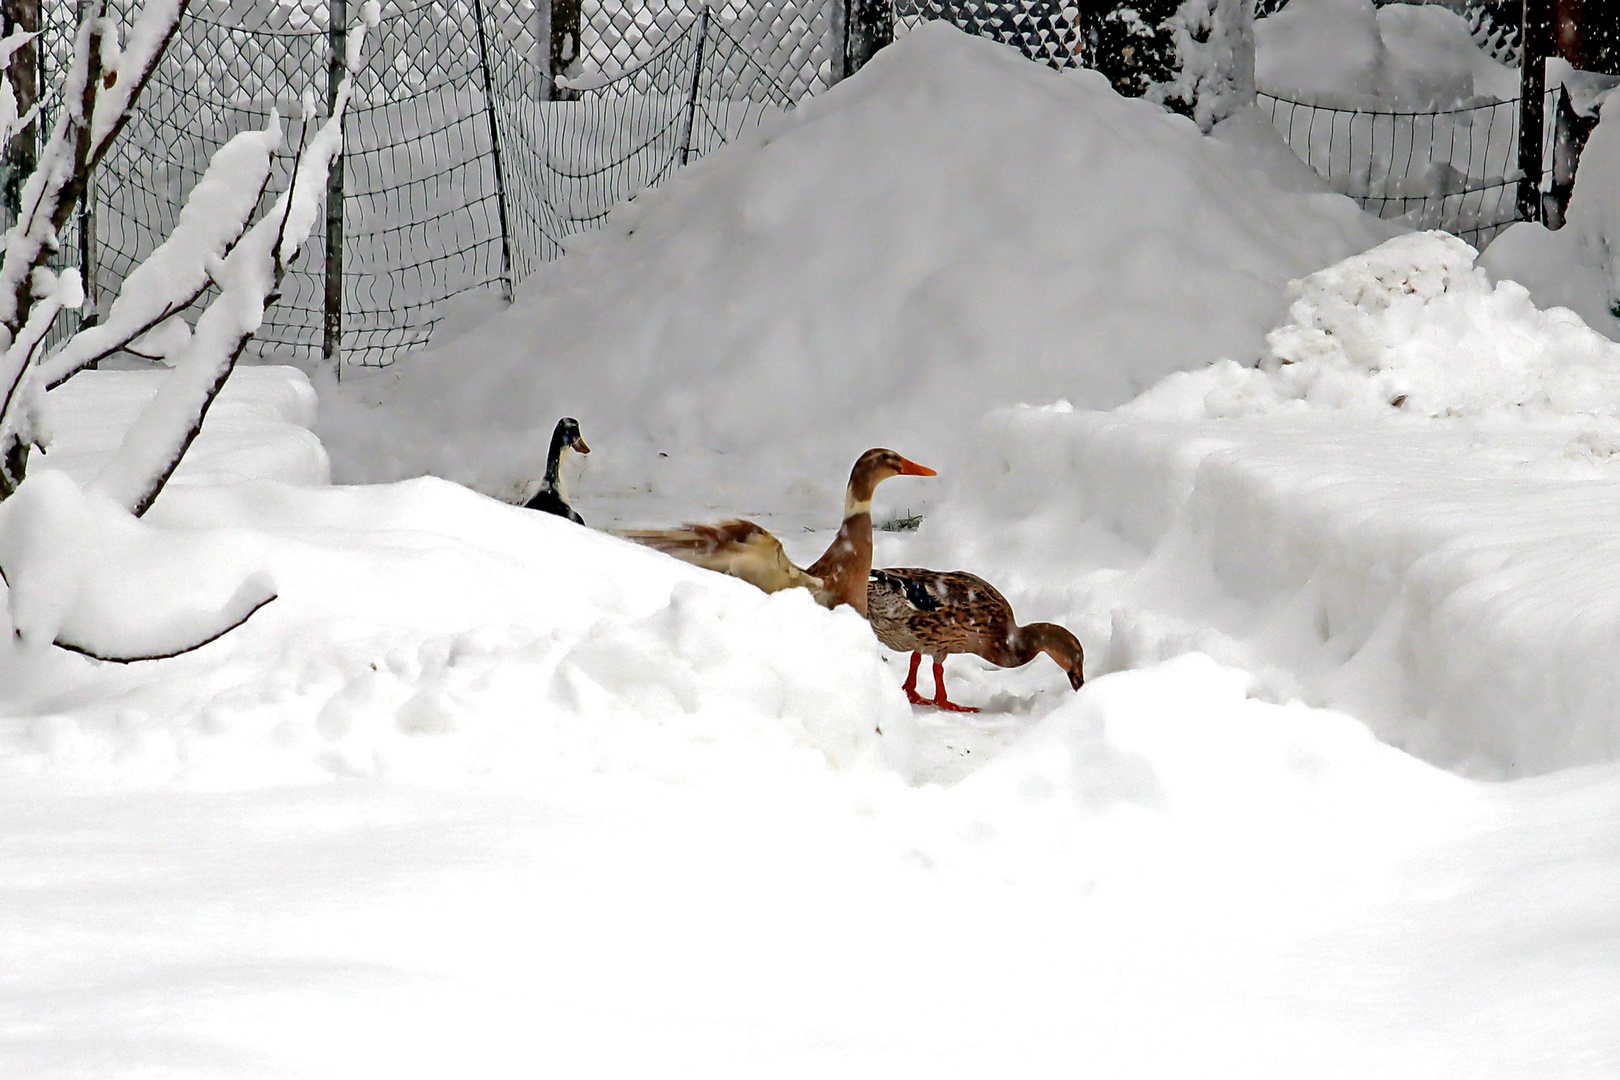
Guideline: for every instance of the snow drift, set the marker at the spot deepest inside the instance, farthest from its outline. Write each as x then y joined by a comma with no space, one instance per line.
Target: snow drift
1351,54
957,228
1399,513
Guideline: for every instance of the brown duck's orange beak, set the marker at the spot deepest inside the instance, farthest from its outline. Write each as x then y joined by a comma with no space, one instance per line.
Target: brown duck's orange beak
579,444
911,468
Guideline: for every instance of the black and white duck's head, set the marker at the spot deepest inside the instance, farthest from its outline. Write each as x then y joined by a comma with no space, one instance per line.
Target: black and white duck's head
567,436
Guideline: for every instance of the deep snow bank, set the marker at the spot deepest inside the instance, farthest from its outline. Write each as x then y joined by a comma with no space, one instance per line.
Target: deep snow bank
954,228
422,629
258,427
1351,54
1406,511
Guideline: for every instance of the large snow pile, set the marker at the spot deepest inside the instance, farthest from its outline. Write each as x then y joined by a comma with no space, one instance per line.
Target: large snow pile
1350,54
424,628
957,228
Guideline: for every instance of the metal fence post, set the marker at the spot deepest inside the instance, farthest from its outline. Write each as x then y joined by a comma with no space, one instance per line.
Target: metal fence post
337,38
692,96
1536,39
495,152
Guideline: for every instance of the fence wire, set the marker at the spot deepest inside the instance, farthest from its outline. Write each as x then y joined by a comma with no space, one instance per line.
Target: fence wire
1046,31
466,171
423,208
1455,169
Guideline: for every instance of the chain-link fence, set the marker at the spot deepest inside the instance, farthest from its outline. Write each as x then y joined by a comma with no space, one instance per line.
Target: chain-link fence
462,168
466,166
1046,31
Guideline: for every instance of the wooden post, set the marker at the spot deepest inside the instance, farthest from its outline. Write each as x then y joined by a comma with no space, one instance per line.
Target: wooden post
565,23
23,74
1569,33
1537,45
337,43
868,26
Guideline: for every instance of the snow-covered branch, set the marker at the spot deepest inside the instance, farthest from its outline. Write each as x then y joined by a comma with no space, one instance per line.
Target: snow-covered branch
83,574
247,277
1214,44
49,525
178,272
98,97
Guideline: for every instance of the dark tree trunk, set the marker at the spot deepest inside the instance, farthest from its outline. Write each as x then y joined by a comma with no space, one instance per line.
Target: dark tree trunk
1127,42
1569,35
23,74
1538,42
868,27
564,45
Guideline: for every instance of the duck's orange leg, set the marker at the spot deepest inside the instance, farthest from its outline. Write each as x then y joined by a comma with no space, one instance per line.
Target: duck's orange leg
940,701
910,686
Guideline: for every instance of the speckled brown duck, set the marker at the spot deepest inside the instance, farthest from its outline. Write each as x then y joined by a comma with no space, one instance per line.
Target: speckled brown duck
943,612
743,550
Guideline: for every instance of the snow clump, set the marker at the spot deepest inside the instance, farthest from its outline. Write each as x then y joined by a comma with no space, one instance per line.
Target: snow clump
1413,324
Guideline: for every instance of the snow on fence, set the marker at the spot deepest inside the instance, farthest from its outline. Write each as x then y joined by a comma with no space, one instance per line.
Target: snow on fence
465,168
1455,169
574,159
430,209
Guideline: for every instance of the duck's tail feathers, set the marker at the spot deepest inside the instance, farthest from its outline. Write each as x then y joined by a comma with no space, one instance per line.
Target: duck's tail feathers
736,547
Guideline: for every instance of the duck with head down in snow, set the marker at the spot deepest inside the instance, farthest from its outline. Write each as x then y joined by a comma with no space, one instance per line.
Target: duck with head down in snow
943,612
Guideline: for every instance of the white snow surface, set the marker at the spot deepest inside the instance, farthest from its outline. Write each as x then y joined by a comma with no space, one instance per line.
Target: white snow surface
954,230
257,428
1578,266
1349,54
485,793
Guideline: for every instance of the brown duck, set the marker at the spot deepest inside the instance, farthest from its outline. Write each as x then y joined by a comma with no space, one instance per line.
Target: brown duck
742,549
944,612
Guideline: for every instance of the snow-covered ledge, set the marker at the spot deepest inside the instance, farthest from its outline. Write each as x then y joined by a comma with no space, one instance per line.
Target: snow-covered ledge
1406,511
258,427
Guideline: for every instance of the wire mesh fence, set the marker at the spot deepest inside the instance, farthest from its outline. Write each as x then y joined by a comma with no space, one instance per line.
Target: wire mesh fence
466,168
1455,169
1047,31
574,160
463,170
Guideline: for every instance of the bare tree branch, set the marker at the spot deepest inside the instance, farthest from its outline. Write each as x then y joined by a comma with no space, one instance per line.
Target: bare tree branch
92,654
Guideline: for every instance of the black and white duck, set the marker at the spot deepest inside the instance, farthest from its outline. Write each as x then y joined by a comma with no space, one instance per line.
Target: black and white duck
552,498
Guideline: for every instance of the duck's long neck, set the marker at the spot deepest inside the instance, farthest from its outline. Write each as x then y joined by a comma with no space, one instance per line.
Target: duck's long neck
554,481
1025,643
847,562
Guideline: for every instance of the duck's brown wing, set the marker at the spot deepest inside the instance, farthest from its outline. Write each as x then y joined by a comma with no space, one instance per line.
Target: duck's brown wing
937,612
736,547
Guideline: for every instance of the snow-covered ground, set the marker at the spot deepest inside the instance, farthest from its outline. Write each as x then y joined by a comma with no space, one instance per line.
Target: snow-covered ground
1352,54
484,793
